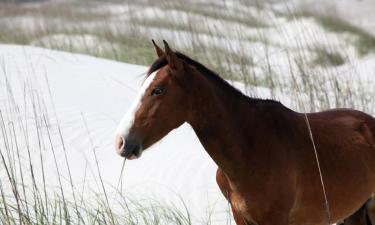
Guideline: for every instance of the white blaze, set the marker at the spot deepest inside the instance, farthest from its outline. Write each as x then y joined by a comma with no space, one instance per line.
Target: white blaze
128,120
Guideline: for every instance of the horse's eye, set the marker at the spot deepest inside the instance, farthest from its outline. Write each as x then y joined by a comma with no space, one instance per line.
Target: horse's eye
157,91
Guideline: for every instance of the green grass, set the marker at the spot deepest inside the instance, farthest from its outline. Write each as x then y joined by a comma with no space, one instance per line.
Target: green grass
212,11
365,42
326,58
128,45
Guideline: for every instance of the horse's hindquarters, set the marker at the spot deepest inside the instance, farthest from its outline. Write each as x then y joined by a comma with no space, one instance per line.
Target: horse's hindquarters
347,160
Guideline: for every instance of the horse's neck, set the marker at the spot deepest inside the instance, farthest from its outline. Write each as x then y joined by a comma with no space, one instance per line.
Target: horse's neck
223,126
236,132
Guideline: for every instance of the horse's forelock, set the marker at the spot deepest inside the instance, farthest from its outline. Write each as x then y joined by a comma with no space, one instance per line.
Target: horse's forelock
159,63
162,61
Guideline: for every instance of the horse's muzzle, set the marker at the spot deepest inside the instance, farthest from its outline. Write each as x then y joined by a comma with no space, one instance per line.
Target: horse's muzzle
129,148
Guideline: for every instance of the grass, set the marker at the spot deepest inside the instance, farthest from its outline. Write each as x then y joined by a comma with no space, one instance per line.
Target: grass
326,58
27,198
98,212
210,10
124,43
31,143
128,40
364,41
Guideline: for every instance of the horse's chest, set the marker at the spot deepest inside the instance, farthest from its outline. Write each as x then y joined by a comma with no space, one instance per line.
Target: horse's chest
238,202
241,205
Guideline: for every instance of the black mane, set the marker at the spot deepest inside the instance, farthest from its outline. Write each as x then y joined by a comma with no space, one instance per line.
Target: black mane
209,74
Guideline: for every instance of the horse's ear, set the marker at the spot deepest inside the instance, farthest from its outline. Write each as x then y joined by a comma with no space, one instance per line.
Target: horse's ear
173,60
158,50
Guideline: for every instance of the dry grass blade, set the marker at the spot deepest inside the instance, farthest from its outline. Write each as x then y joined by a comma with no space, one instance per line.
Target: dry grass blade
119,184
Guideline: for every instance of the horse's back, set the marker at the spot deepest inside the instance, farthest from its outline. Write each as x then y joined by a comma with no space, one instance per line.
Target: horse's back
344,126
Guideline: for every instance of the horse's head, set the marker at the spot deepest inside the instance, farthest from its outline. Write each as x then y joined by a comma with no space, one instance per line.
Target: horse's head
160,106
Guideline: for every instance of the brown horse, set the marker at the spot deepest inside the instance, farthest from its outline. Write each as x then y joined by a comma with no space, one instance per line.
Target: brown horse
267,166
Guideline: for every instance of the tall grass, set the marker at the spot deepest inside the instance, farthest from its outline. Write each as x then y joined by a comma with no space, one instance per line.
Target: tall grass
32,142
35,202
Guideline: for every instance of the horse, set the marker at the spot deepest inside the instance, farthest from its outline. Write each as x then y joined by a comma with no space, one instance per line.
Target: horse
267,168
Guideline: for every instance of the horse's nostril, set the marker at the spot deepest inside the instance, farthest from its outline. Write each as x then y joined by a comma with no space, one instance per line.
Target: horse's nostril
120,144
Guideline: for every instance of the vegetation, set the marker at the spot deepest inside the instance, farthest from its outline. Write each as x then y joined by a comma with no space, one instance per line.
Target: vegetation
364,41
28,197
326,58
